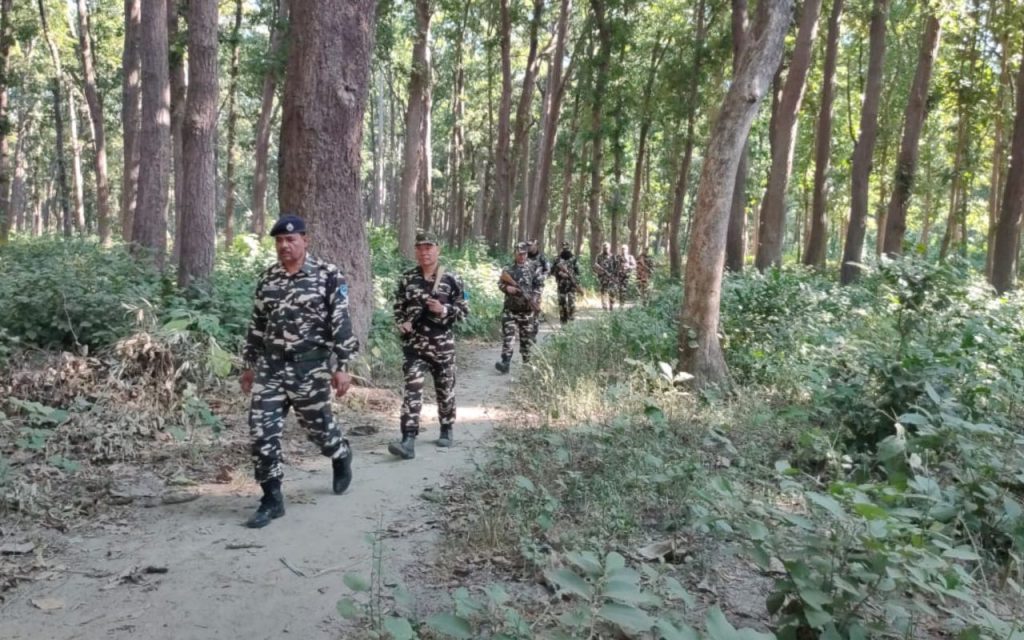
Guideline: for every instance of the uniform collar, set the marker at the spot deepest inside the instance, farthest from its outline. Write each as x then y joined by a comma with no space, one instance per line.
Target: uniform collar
308,267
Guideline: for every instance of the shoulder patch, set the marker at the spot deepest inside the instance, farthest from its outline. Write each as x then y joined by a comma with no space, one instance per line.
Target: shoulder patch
343,290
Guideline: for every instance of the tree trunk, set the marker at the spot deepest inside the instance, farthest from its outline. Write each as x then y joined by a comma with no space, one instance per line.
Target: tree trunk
524,118
645,126
736,238
18,200
552,109
773,207
998,151
6,213
131,114
501,206
232,152
92,97
58,123
426,192
263,125
906,162
415,121
863,150
1008,230
817,239
700,352
149,231
177,44
198,237
456,200
602,64
77,175
325,91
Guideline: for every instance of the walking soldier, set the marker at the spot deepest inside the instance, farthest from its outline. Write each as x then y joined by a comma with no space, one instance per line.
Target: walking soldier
522,282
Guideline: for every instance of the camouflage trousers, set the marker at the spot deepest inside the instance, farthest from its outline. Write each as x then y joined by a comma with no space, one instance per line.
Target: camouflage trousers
566,306
279,386
523,323
415,368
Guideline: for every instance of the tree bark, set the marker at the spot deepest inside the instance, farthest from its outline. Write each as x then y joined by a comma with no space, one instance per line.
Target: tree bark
817,239
524,118
325,92
700,352
602,64
131,114
736,237
263,125
58,123
19,187
232,151
501,206
77,175
92,97
149,230
1008,230
415,123
906,162
998,151
177,44
457,199
198,237
773,207
657,54
6,213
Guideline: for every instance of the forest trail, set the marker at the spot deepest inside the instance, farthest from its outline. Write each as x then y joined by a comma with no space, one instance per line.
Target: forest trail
212,591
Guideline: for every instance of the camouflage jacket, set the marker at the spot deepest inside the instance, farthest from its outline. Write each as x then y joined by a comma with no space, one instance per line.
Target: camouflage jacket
411,297
567,274
301,314
542,263
529,280
604,267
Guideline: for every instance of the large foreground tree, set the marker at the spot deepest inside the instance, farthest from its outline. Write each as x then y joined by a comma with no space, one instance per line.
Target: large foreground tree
325,91
700,352
1007,237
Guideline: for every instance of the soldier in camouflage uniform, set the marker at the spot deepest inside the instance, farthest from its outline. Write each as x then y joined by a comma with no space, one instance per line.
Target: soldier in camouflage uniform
522,303
428,302
623,266
644,270
567,274
299,321
536,255
604,268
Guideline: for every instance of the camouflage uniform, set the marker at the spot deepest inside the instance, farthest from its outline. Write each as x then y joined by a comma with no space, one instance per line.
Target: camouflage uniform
644,270
298,322
517,316
622,267
567,273
604,267
430,346
541,261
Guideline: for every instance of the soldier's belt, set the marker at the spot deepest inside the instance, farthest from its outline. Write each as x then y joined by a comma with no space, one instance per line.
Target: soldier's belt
302,356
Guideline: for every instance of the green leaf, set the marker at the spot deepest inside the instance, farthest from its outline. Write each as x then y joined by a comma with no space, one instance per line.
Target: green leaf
450,625
755,530
399,628
718,627
348,609
614,561
828,503
675,590
587,561
568,581
627,618
219,360
962,552
870,511
628,593
815,598
525,483
179,324
669,631
356,582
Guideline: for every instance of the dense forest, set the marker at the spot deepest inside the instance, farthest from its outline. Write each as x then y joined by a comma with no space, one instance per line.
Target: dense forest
832,193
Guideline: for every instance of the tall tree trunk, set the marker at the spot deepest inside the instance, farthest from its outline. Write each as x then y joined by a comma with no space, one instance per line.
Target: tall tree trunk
657,53
1005,254
817,239
501,207
77,175
906,162
700,352
19,187
773,207
998,150
232,152
6,213
92,97
325,91
456,200
263,124
426,191
524,118
552,109
198,237
863,150
131,114
415,117
58,123
378,108
736,237
150,228
177,44
581,208
602,64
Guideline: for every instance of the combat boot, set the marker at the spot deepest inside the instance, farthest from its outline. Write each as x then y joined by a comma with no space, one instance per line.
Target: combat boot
447,439
406,449
271,505
503,365
342,472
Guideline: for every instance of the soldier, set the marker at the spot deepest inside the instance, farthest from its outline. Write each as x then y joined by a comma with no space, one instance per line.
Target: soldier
604,269
644,270
299,320
428,302
623,266
536,255
567,273
522,283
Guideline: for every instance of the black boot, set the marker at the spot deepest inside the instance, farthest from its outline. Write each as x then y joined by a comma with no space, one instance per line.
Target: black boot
447,439
342,472
271,505
406,449
503,366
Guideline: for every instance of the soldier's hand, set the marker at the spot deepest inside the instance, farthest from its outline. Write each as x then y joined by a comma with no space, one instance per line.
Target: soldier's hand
436,307
247,378
512,290
341,382
405,327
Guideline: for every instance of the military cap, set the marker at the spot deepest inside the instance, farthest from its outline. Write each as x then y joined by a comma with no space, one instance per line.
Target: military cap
523,247
425,237
288,223
565,245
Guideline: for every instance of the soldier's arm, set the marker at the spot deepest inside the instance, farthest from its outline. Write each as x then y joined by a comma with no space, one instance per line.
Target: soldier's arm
399,312
255,336
502,285
344,344
458,307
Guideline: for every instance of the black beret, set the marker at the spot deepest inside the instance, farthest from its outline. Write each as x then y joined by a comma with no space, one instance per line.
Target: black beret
288,224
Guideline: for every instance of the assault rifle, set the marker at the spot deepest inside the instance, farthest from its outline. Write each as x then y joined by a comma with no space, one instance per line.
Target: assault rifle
423,310
531,299
566,272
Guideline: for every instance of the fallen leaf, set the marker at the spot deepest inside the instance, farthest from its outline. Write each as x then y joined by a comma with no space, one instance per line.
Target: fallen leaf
16,548
48,604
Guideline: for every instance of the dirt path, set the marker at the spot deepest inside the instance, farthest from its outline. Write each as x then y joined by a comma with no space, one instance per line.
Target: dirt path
212,591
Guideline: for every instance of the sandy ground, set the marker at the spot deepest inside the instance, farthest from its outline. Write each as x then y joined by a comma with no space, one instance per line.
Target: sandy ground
212,591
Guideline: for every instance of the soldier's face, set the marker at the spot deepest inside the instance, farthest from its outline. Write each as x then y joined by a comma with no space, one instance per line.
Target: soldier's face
291,247
520,258
426,255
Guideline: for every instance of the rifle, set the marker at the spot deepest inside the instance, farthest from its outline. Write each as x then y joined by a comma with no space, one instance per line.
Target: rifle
567,273
507,278
421,315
